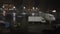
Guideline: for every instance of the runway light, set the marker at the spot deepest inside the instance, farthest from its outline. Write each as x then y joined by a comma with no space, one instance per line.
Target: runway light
54,11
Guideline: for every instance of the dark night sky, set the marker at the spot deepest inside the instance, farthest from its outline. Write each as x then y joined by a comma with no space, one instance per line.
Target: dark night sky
43,4
48,4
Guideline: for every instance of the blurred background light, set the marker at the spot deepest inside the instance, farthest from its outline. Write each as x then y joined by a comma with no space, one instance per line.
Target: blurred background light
54,11
2,6
24,7
33,8
36,8
14,7
33,14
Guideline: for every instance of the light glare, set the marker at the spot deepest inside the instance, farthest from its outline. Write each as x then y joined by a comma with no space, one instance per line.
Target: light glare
54,11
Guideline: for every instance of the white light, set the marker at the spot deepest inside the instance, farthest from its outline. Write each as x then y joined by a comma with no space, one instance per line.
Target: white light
3,6
4,13
54,11
36,8
14,7
33,8
33,14
24,7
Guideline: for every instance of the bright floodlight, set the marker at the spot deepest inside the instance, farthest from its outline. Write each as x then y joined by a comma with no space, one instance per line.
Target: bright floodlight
54,11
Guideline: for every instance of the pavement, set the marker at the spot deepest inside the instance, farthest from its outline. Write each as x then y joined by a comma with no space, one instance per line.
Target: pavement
38,27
